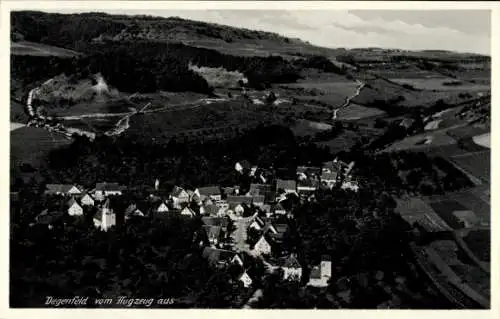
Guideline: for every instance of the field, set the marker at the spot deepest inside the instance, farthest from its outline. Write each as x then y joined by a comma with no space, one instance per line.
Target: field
31,145
436,139
356,111
305,127
345,141
438,84
331,89
380,92
31,48
116,106
445,210
477,164
17,112
198,119
479,242
95,125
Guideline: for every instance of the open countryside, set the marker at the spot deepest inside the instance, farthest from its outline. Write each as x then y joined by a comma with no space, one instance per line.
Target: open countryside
230,168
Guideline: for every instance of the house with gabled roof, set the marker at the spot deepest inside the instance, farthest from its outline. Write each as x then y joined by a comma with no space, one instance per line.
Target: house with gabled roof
188,211
73,208
258,200
211,210
62,189
278,209
219,258
286,185
257,223
308,185
214,233
238,204
179,197
104,189
262,189
306,172
242,166
212,192
87,200
321,274
245,279
329,179
105,217
162,208
261,247
133,210
292,270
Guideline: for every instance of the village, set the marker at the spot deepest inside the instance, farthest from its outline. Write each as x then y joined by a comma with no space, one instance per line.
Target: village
235,223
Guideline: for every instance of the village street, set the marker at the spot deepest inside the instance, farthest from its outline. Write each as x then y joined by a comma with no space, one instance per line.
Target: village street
240,235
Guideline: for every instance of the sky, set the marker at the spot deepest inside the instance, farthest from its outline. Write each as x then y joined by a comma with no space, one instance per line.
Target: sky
456,30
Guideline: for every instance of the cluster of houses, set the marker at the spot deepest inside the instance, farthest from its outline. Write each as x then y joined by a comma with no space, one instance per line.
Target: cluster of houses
264,207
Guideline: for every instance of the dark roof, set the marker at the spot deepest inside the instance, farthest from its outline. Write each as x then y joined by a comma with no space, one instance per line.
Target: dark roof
233,199
278,207
315,273
281,228
258,198
177,191
211,209
132,210
212,231
329,176
106,186
285,184
289,262
71,202
58,188
308,182
214,255
308,170
245,164
326,258
260,189
209,190
47,218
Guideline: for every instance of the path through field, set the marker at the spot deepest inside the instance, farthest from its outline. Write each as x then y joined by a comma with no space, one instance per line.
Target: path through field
348,99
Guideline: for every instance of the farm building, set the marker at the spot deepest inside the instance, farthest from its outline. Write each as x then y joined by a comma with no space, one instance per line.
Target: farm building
62,189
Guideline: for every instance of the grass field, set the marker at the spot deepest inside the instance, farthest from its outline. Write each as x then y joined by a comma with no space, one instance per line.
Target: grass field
234,114
332,90
445,210
476,164
31,48
437,139
356,111
383,91
116,106
17,112
343,142
31,145
438,84
305,127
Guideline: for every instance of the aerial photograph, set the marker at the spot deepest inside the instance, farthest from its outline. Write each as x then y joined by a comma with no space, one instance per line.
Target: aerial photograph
250,159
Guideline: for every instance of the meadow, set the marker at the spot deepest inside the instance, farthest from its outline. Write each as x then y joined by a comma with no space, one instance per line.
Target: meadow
439,84
31,48
31,145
